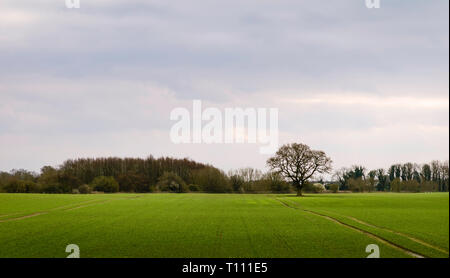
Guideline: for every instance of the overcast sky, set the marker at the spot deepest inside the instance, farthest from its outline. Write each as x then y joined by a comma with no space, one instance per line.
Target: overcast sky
367,86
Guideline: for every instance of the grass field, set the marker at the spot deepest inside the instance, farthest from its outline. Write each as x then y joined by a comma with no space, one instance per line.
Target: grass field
225,225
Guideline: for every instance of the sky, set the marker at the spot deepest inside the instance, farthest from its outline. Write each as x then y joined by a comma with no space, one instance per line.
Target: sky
366,86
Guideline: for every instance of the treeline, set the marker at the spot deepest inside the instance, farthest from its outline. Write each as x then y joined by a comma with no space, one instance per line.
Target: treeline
407,177
139,175
184,175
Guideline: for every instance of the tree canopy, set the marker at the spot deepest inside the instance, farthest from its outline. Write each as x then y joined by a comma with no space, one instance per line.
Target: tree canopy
298,163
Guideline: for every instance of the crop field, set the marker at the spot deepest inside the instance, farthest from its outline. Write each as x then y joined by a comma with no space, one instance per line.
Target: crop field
225,225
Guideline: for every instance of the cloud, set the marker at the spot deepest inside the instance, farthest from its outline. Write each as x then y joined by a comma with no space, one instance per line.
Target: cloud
102,79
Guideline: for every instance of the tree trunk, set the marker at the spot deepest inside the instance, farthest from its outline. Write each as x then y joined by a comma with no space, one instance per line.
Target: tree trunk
299,187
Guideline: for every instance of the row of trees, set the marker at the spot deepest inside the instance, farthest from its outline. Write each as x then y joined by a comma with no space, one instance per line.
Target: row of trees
293,166
407,177
249,180
139,175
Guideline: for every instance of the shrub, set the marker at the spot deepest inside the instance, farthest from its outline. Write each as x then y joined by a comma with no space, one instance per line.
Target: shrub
334,188
318,188
313,187
308,187
84,189
105,184
171,182
75,191
237,183
68,182
428,186
32,187
357,185
15,186
126,183
49,181
133,182
51,188
20,186
410,186
151,188
396,185
194,188
211,179
277,183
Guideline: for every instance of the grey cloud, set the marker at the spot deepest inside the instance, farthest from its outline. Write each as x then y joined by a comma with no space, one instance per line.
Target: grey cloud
121,66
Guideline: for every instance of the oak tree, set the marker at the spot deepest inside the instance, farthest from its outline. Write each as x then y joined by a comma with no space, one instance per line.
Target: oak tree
298,163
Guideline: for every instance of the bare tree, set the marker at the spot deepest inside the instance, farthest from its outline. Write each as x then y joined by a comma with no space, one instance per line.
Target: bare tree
341,176
298,163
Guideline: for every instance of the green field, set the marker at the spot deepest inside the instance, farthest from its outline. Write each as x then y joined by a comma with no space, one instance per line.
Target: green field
225,225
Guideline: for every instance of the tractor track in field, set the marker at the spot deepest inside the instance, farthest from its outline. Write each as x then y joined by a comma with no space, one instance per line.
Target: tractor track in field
281,239
398,233
252,246
70,205
88,205
62,208
23,217
429,245
6,215
369,234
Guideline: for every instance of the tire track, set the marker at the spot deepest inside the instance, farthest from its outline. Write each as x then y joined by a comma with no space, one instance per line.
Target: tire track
70,205
369,234
276,234
279,237
252,246
94,202
23,217
429,245
88,205
11,214
398,233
